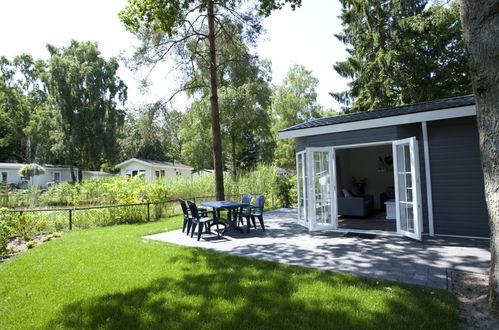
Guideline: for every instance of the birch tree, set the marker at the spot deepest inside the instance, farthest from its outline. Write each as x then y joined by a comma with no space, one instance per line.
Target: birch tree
86,92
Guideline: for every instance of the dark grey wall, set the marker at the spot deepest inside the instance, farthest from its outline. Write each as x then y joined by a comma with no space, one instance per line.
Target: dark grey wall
351,137
457,181
301,143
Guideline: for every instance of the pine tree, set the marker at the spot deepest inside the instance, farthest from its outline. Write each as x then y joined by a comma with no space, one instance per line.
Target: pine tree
401,53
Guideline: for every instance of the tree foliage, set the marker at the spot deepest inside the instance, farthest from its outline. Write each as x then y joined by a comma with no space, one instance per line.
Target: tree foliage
294,102
244,99
21,98
86,92
182,27
152,132
31,170
196,135
401,53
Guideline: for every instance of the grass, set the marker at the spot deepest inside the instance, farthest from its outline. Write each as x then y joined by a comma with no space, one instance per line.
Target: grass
112,278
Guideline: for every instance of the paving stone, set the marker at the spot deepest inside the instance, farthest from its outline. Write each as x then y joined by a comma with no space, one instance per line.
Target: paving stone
420,277
391,258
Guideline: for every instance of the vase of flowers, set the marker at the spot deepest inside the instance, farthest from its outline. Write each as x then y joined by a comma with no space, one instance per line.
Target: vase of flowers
359,185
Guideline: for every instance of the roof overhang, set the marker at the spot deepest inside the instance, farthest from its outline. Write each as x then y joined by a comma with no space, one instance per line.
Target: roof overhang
11,165
128,161
457,112
20,165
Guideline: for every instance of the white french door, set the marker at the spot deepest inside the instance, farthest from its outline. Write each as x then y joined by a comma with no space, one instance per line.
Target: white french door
316,188
407,188
316,175
302,187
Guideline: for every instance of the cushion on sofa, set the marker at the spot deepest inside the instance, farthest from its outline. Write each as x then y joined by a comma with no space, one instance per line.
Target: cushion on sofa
347,193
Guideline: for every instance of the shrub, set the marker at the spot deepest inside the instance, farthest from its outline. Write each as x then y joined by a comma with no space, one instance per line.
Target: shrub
26,224
5,232
293,192
59,194
31,244
276,184
47,238
283,188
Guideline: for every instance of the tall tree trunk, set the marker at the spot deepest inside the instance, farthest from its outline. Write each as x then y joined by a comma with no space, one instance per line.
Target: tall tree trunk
233,149
480,21
215,116
80,174
73,177
80,165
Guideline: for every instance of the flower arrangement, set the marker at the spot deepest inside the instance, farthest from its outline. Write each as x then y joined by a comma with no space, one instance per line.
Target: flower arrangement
360,185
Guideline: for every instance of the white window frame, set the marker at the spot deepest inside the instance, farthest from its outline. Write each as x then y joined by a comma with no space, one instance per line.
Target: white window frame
309,199
415,184
313,225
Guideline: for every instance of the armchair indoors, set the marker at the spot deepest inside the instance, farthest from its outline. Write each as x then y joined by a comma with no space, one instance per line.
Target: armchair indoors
358,206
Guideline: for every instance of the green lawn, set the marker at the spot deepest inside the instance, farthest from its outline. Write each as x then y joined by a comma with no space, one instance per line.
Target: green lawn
111,278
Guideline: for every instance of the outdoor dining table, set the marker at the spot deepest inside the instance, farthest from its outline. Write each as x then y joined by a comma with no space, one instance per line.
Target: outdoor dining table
231,208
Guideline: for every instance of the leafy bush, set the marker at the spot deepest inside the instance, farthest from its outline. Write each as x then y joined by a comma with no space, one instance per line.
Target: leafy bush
283,190
276,184
26,224
59,194
5,231
31,244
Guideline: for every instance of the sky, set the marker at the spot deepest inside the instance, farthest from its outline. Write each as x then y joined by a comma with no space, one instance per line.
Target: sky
305,36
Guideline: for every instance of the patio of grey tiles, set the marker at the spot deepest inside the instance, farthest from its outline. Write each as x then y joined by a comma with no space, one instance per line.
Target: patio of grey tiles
401,259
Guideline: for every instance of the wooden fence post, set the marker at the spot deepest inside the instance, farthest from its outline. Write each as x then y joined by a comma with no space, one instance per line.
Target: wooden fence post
148,212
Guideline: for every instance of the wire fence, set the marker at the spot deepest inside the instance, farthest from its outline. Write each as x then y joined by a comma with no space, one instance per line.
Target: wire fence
102,215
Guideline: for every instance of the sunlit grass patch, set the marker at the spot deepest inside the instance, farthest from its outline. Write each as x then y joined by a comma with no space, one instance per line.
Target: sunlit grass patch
113,278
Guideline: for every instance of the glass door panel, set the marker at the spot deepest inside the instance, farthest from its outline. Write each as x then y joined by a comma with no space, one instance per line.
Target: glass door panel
322,188
302,186
315,184
407,190
322,185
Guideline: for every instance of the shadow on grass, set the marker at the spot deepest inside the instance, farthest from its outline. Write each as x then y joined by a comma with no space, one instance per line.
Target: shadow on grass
216,291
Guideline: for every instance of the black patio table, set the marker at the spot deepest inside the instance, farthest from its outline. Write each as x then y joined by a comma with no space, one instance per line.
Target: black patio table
232,208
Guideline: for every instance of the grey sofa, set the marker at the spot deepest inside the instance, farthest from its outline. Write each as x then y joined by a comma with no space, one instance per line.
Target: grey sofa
358,206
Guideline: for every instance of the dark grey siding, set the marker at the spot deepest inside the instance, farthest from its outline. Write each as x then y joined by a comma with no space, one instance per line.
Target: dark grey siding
457,182
353,137
301,143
